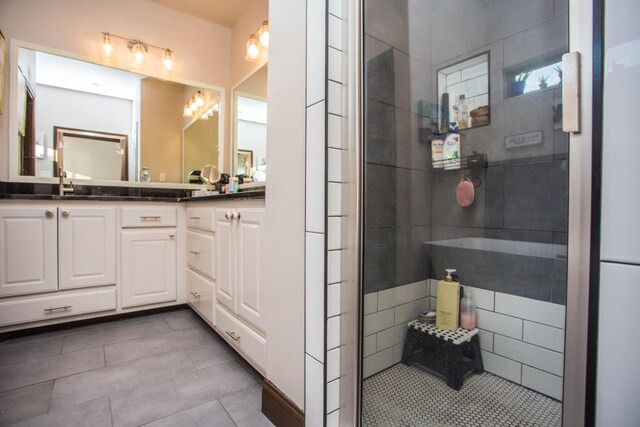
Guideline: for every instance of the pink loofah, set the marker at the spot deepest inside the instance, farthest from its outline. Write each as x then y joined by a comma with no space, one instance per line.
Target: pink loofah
465,193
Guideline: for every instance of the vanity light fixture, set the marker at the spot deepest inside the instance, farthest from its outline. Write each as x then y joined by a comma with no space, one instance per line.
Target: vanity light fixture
257,40
196,102
137,47
187,111
199,98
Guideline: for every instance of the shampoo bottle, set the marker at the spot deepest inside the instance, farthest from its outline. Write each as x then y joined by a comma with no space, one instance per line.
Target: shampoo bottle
448,304
451,149
437,143
467,312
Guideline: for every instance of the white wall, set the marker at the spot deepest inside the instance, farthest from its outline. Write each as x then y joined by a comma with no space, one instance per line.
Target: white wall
618,346
253,136
201,48
286,199
78,110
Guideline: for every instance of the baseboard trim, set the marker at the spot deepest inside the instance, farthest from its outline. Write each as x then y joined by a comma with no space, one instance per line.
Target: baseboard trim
280,410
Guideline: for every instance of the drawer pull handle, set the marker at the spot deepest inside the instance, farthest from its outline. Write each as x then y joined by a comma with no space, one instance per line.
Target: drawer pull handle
195,252
151,218
194,217
232,335
195,294
171,236
51,309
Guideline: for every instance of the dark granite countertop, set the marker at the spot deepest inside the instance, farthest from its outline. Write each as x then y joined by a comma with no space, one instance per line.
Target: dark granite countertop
30,191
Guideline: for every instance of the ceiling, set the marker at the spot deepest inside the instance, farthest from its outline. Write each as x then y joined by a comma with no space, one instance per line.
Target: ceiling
223,12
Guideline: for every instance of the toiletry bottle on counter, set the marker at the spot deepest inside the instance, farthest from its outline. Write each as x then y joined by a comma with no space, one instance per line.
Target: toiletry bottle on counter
448,304
467,311
451,148
437,143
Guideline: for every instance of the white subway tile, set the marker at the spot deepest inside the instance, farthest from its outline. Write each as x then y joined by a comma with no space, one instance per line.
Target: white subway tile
315,174
529,354
501,366
333,332
433,285
333,419
543,382
499,323
333,364
369,345
482,297
377,362
397,352
370,303
335,199
486,340
433,302
334,98
316,44
392,336
402,294
335,8
544,336
333,395
335,65
314,392
526,308
314,299
335,32
335,165
333,266
378,321
409,311
334,135
333,300
334,233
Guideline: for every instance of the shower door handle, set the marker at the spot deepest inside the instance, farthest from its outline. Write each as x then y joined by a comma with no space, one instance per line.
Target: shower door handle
571,92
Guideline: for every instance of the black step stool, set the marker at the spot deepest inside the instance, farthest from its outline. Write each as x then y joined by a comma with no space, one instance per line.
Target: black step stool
453,354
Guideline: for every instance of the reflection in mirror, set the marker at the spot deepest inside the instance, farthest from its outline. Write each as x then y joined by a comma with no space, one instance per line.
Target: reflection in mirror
86,154
200,146
463,90
56,91
250,130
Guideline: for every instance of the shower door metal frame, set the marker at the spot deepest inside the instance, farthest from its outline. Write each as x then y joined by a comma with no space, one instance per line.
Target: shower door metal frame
581,20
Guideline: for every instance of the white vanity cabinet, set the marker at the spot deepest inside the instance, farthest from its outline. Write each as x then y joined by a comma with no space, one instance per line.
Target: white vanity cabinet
29,247
148,253
240,257
201,236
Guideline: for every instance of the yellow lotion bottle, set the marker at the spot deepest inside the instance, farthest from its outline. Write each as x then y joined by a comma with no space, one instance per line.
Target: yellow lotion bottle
448,305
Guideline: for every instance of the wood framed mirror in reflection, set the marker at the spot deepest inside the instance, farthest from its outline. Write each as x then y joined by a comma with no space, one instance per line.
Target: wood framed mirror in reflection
117,121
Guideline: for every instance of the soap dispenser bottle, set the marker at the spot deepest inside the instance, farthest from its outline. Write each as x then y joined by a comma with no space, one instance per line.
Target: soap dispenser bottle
448,304
467,311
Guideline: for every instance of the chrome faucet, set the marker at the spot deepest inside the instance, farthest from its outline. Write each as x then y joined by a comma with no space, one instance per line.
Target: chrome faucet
63,188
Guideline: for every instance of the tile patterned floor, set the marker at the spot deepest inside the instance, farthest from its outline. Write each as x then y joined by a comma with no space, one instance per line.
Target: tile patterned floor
159,370
408,396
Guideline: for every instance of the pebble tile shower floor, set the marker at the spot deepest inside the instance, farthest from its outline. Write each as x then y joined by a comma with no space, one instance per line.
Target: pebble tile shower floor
162,369
407,396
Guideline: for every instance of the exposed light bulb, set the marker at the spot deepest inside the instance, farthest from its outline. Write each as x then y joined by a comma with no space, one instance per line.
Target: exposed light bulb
187,111
252,49
193,105
138,50
107,45
168,59
199,99
216,107
263,35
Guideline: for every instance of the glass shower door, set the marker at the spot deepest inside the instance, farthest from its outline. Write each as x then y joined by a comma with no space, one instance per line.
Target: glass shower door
465,168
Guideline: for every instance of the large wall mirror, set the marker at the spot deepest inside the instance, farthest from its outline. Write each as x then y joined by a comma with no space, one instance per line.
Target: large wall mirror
74,115
250,126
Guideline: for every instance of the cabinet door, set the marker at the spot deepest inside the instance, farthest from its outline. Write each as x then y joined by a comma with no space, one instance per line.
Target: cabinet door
225,289
250,260
148,266
87,243
28,250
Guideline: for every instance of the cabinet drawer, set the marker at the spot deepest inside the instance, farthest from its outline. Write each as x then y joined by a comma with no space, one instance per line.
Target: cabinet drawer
55,306
242,338
200,296
200,249
200,219
149,217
